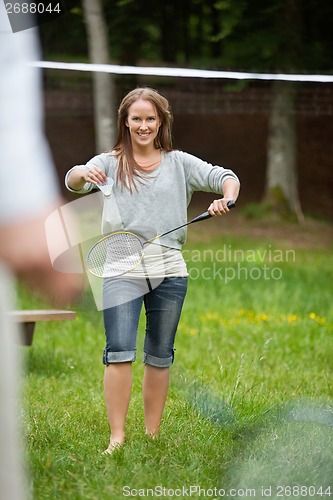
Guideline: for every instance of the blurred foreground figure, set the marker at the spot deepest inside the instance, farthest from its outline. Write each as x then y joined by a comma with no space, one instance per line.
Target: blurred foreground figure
28,193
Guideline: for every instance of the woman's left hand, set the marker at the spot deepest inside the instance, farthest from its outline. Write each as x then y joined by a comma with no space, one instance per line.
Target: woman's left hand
219,207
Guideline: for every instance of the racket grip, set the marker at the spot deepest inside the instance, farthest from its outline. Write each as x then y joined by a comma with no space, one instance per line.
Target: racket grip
231,204
206,215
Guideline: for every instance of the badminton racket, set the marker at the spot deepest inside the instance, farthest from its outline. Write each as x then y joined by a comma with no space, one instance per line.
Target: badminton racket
122,251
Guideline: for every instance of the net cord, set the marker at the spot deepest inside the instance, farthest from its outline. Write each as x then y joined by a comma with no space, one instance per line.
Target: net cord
180,72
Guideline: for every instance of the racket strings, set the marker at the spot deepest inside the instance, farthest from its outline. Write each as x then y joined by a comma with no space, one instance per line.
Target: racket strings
117,254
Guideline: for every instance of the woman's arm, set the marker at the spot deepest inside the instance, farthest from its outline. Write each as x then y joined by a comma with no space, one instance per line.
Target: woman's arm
231,189
230,192
76,180
78,177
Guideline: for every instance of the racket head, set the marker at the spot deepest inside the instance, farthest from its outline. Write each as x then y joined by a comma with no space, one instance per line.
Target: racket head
115,254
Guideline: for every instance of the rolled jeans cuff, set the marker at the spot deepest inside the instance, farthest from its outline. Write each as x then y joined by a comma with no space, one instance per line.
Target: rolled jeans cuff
118,357
148,359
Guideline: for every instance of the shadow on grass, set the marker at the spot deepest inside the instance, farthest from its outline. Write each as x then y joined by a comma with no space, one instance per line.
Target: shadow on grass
276,453
287,453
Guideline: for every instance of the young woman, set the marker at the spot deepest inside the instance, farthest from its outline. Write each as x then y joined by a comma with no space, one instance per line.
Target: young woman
152,187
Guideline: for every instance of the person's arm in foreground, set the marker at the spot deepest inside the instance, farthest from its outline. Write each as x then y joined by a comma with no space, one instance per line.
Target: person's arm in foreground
28,184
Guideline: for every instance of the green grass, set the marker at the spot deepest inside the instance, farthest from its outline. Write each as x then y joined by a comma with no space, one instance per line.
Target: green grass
250,401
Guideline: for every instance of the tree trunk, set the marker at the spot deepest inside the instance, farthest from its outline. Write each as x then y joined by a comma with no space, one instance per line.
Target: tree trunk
103,85
281,191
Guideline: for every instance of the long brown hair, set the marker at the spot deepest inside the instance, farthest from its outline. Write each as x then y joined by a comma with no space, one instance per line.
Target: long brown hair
128,171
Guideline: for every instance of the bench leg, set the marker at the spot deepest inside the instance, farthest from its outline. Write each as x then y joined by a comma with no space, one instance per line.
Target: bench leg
28,333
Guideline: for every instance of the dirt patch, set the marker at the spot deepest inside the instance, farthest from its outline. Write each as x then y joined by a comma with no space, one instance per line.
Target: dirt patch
312,234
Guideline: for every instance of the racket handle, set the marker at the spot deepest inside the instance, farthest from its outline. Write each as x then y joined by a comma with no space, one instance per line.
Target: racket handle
231,204
206,215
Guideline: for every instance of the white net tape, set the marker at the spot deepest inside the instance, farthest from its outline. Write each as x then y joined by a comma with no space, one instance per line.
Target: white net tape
180,72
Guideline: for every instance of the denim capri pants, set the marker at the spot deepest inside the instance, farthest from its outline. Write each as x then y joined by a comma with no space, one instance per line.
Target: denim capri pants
163,305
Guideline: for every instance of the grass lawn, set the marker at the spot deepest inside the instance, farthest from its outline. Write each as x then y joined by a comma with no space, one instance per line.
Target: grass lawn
249,411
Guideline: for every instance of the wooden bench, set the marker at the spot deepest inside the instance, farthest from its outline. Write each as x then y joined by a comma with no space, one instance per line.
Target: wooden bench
30,318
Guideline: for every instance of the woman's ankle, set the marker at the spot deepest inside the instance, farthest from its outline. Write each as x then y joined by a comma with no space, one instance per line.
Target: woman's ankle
152,433
117,438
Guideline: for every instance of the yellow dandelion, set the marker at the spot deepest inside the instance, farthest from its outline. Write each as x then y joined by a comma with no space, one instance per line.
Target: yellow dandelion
319,319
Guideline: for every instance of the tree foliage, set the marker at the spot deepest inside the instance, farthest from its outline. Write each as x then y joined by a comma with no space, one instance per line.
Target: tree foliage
250,35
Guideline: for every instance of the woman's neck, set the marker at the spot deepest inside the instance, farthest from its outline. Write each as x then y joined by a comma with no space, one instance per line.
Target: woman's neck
147,159
144,151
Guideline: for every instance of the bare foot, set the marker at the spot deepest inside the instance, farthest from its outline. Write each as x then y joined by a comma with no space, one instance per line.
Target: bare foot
113,446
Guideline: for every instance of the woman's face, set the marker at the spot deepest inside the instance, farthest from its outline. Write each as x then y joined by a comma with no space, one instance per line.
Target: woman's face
143,123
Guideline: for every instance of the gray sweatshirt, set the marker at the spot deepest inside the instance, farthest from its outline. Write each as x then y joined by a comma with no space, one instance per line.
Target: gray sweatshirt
162,198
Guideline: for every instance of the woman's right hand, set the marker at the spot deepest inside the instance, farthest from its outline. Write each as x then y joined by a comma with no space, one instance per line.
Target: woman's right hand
95,176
